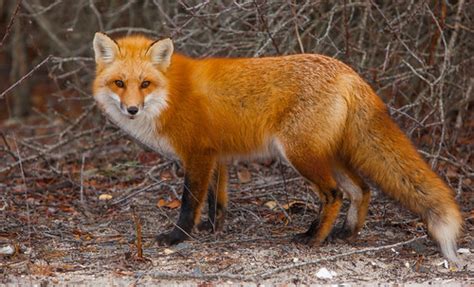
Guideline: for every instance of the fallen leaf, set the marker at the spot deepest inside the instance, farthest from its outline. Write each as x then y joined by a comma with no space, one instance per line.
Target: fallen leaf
271,204
172,204
276,218
67,268
161,202
296,205
244,175
452,172
82,235
105,196
166,175
147,157
467,181
175,203
41,267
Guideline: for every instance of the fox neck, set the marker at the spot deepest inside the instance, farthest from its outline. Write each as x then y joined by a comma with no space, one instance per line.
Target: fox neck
185,100
167,115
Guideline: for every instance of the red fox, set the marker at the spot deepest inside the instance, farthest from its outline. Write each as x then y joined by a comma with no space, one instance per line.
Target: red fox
311,110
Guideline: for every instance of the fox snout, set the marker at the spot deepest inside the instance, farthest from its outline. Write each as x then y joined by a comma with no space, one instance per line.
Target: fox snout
131,109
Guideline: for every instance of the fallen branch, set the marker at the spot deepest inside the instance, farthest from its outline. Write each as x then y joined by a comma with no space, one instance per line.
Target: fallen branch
266,275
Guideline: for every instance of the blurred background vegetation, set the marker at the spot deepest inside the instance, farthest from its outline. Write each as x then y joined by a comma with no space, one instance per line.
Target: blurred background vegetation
417,55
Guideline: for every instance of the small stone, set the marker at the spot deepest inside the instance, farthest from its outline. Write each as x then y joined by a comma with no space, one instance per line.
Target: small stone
324,273
7,250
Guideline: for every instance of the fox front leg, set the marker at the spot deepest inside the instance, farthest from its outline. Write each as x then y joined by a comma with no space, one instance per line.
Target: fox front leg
217,200
198,172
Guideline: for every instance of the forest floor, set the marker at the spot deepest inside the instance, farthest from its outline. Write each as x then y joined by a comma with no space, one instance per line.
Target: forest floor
56,238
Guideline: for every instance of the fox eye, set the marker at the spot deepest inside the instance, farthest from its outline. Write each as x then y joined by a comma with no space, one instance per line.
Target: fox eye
145,84
119,83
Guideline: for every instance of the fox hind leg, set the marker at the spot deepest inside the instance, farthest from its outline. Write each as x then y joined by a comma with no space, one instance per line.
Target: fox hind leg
359,195
320,228
319,173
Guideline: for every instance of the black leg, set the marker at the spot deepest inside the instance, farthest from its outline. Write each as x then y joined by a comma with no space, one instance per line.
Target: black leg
217,201
185,223
196,182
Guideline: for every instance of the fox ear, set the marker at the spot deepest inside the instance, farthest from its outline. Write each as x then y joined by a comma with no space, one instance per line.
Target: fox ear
105,48
160,52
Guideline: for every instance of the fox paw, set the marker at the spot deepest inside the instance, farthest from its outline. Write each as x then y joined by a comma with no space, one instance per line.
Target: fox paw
342,233
305,238
207,225
212,227
171,238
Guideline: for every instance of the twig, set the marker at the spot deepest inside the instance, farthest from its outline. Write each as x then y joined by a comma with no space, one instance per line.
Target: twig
44,10
23,177
273,183
60,60
25,76
8,149
82,179
389,25
46,26
10,23
97,14
266,275
346,31
133,29
134,193
50,149
78,120
298,37
138,231
265,26
457,25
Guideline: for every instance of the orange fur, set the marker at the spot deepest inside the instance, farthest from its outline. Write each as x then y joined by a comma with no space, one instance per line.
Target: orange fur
312,110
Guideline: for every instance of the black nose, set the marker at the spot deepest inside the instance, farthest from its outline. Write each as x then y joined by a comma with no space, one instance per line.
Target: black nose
132,110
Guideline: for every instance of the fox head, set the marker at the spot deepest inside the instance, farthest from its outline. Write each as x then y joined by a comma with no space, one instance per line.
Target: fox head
130,75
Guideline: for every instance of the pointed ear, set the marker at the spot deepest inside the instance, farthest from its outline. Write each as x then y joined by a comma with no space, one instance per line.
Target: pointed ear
105,48
160,52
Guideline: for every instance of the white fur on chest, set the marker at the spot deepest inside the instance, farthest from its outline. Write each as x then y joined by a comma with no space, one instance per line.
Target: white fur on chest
143,127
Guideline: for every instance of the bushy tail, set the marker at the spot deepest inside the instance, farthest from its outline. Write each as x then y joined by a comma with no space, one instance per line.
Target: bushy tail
377,147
